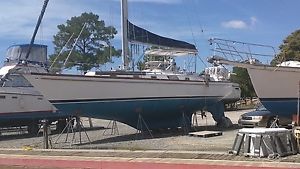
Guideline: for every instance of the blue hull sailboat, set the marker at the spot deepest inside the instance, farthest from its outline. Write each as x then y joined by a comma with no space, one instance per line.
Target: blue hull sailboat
163,100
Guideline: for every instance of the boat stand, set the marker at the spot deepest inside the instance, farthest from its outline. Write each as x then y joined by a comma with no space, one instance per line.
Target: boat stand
74,129
184,124
264,142
140,129
195,120
275,123
114,128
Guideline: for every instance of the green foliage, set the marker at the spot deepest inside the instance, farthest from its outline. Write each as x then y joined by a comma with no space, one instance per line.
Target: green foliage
142,64
289,50
243,79
93,47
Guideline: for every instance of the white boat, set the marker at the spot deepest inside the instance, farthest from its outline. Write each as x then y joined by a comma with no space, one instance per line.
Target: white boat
278,87
20,103
162,100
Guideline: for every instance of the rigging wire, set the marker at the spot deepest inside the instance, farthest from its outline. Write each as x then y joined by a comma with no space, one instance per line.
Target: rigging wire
74,44
61,51
193,35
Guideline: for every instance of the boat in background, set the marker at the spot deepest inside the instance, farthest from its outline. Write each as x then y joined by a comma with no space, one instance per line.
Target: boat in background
219,73
278,87
20,103
162,62
161,100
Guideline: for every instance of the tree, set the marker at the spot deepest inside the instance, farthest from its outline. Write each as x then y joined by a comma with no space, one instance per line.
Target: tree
243,79
93,47
141,64
289,50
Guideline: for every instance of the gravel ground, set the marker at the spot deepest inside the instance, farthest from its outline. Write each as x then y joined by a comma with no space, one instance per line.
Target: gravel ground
129,139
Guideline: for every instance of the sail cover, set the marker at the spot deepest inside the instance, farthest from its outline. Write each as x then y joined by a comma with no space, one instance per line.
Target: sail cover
17,53
138,34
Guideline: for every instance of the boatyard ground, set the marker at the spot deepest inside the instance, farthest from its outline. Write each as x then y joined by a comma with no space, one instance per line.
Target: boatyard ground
167,148
130,139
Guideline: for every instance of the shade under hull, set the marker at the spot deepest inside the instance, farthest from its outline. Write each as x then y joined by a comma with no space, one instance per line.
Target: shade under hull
157,113
28,118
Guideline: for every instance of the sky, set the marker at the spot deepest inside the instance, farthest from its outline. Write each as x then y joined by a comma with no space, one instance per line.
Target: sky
194,21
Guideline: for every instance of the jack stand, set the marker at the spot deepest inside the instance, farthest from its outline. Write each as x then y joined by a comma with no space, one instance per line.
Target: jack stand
70,127
275,123
184,124
91,122
195,120
140,124
114,128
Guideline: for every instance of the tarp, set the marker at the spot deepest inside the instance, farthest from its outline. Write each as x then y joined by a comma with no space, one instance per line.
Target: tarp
38,53
138,34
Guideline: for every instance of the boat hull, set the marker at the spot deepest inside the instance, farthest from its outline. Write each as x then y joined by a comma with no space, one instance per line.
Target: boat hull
277,88
25,106
160,103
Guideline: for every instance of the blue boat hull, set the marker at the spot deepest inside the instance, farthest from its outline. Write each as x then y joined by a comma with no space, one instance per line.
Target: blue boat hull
158,113
281,106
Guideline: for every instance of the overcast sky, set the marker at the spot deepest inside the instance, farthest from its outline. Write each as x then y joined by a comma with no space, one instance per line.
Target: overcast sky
195,21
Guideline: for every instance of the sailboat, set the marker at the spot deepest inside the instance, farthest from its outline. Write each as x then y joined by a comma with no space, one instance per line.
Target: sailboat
165,100
277,87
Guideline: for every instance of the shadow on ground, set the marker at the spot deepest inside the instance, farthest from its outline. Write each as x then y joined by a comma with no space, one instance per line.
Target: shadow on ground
157,134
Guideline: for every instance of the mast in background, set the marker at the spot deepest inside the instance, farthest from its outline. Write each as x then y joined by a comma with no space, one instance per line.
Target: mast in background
37,28
124,28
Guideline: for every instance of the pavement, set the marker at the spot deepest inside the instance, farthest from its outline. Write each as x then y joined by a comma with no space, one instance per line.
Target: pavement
126,159
127,152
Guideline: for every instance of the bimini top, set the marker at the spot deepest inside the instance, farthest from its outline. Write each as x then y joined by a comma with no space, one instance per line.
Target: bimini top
169,52
137,34
17,53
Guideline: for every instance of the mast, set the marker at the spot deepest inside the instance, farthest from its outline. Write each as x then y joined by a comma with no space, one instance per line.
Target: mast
124,28
37,28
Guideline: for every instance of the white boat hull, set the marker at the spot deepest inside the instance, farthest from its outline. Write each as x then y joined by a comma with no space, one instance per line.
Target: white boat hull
277,87
24,106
